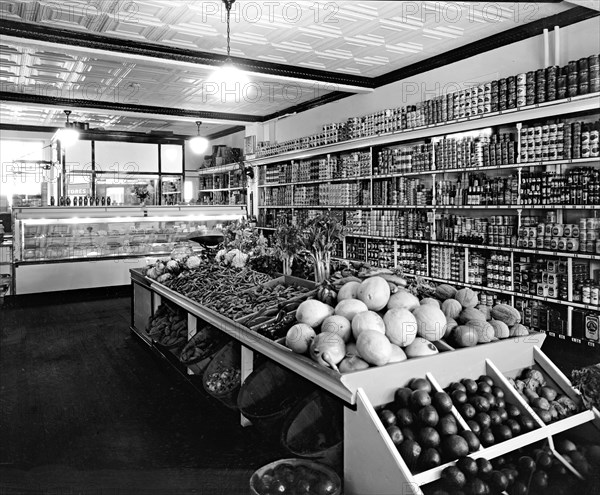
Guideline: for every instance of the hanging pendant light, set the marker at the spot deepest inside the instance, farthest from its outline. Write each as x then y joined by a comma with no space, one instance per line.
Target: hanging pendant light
68,135
198,144
228,72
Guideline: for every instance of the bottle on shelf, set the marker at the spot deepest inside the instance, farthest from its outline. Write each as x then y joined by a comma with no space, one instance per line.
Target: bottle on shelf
51,200
68,201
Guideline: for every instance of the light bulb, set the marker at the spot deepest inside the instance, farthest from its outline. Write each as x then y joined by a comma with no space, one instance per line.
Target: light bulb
198,144
68,136
228,74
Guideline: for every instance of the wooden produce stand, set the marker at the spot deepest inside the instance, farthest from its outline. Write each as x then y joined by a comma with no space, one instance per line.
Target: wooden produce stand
372,464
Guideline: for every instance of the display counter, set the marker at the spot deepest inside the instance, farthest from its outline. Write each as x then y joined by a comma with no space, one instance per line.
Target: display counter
69,248
372,464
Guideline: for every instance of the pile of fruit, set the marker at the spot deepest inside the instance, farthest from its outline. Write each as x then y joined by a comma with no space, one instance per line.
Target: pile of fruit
483,406
531,470
298,477
583,457
204,343
223,381
168,326
546,401
421,424
166,269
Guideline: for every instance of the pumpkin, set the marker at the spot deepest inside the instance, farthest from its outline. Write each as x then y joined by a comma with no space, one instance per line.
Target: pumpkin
467,298
430,300
470,314
486,310
506,314
518,330
451,308
485,331
445,291
431,322
501,330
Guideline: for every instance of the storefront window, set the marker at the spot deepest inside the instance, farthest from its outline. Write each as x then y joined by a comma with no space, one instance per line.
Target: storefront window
22,180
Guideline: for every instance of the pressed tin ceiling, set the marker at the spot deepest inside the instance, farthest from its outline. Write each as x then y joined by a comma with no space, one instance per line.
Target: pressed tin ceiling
147,64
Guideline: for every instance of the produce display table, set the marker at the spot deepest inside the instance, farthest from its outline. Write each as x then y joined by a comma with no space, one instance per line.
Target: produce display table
372,464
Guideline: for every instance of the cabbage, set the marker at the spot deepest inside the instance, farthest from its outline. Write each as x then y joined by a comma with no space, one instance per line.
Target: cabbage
193,262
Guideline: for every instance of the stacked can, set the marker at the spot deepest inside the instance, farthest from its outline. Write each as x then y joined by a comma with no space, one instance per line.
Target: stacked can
561,84
474,100
583,77
540,86
502,94
511,95
589,235
530,88
521,89
594,73
551,82
494,107
572,78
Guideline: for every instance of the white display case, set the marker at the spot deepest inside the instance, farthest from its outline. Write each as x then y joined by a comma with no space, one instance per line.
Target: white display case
69,248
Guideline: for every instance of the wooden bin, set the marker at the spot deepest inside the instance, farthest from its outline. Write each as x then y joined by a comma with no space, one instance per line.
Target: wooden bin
314,429
372,463
229,357
269,393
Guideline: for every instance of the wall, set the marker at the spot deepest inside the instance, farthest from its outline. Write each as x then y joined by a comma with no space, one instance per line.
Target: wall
577,41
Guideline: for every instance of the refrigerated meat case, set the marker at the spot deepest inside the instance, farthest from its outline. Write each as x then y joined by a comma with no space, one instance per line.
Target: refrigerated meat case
66,248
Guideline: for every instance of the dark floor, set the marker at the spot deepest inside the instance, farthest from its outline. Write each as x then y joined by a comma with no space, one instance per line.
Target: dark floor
87,409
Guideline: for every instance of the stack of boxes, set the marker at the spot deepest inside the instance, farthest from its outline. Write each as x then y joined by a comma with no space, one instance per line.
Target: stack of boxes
448,263
539,315
541,277
380,253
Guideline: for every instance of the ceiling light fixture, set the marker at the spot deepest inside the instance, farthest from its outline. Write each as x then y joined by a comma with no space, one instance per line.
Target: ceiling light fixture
228,72
67,136
198,144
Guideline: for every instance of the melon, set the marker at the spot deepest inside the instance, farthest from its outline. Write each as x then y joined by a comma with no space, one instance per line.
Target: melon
501,330
467,298
465,336
374,292
313,312
367,321
349,308
518,330
348,291
451,308
374,347
420,347
398,354
431,322
506,313
430,300
486,310
299,338
469,314
485,331
451,324
400,326
445,291
327,349
337,324
403,299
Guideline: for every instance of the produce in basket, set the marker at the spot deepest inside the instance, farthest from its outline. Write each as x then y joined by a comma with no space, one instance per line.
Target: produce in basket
223,381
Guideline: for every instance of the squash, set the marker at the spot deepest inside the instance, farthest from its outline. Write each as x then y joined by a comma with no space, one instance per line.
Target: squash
501,330
431,322
470,314
506,314
467,298
518,330
451,308
445,291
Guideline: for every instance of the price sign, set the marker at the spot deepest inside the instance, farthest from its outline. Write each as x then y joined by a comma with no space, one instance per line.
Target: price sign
561,336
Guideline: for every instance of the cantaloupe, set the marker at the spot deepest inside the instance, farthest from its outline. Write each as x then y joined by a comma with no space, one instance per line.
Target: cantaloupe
506,313
403,299
420,347
518,330
465,336
348,308
400,326
398,354
469,314
501,330
367,321
430,300
445,291
486,310
431,322
451,324
451,308
467,298
485,331
374,292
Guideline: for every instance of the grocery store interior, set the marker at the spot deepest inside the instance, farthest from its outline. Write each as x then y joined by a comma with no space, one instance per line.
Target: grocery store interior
299,247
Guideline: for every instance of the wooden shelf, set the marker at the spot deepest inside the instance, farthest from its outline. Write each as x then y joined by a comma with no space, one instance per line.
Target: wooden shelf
219,169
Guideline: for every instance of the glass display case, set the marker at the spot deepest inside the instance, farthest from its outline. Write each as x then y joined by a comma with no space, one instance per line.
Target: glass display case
95,239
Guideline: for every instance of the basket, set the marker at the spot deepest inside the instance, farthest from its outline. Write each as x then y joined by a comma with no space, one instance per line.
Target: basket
314,429
269,393
213,342
322,472
226,359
